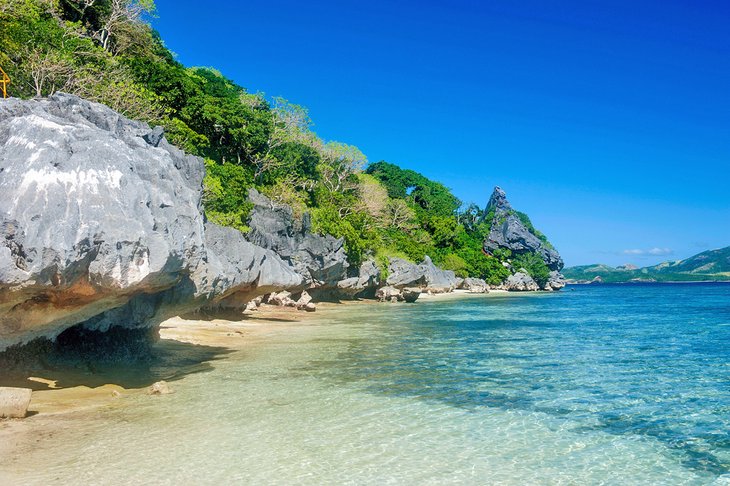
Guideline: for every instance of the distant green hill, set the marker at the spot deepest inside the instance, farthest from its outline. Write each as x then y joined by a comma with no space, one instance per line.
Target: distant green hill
712,265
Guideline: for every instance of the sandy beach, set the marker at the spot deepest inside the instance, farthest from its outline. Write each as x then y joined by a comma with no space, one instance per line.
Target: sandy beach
59,403
231,331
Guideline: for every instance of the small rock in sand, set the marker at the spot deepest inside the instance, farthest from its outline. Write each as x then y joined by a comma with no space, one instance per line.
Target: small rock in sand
160,388
14,402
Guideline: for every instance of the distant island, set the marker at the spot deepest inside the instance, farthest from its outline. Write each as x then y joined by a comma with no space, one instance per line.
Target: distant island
711,265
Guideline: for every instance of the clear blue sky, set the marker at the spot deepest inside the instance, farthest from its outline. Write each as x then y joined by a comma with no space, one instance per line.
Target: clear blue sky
607,122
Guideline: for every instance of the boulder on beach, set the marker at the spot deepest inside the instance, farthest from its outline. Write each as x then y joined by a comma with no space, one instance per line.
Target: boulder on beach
438,281
556,281
365,282
388,294
521,282
101,225
281,299
14,402
402,273
475,285
425,275
304,300
410,295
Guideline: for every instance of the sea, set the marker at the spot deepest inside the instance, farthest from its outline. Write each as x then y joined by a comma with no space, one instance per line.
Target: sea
595,384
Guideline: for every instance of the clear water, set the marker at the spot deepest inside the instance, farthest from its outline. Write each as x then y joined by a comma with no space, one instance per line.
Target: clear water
592,385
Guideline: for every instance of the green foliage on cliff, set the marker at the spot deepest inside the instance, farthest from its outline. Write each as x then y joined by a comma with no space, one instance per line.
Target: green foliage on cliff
104,50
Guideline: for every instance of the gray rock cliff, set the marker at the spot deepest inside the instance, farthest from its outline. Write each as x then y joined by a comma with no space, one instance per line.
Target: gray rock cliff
509,232
475,285
101,225
320,260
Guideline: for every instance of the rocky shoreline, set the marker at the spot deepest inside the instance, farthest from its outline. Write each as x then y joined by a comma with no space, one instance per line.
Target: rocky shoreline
103,229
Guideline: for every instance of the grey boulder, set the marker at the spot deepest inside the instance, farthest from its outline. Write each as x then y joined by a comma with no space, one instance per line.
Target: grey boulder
438,281
367,280
238,270
426,275
556,281
393,294
475,285
402,273
410,295
101,225
388,294
281,299
520,282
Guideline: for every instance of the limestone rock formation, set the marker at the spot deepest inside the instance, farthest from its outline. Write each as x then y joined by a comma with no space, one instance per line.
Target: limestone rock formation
555,282
366,281
320,260
402,273
426,275
281,299
237,270
101,225
410,295
393,294
520,282
509,232
437,280
388,294
475,285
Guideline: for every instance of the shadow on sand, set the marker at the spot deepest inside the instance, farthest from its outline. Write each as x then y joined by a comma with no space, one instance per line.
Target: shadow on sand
236,315
130,359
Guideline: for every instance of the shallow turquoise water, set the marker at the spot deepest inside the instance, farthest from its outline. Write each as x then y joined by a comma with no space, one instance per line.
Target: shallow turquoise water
592,385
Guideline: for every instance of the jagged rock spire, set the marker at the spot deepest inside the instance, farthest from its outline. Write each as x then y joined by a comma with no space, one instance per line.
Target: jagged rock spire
498,201
507,231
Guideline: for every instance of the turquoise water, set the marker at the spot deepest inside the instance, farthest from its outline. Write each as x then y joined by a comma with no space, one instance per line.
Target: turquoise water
591,385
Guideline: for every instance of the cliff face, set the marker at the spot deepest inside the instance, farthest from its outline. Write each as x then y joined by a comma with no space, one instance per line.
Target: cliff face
101,225
508,231
320,260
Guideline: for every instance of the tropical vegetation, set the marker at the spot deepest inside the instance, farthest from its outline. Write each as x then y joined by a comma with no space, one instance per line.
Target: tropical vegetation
105,51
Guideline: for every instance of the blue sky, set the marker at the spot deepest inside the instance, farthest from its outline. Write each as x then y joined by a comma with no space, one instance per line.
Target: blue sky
607,122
